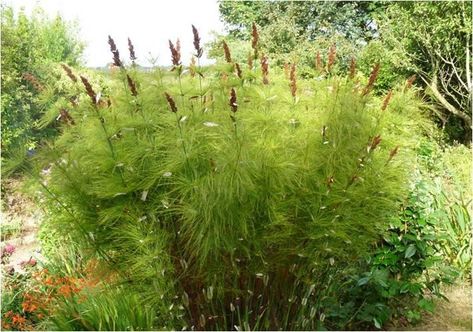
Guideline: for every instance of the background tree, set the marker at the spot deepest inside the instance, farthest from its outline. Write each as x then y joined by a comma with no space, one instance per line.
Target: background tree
29,46
293,31
434,40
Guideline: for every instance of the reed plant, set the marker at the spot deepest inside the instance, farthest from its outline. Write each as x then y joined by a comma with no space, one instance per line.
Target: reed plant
231,197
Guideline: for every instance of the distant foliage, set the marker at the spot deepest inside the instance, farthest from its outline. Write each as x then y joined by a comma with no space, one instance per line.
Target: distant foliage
433,40
29,46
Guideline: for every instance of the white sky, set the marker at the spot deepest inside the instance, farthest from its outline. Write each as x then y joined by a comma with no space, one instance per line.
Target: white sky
148,23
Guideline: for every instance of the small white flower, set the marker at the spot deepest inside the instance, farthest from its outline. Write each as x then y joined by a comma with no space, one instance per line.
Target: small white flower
167,174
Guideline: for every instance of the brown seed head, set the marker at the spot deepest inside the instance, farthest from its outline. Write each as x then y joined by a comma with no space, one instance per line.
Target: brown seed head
33,81
265,69
198,50
132,86
372,79
255,39
131,48
410,81
386,100
331,57
352,68
89,90
233,101
175,52
238,70
171,102
392,154
292,77
116,55
65,116
375,142
69,72
318,61
226,51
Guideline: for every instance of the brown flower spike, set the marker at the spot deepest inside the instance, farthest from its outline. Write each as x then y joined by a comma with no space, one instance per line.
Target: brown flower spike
233,101
392,153
132,86
255,39
372,79
292,77
386,100
88,88
374,143
238,70
226,51
171,102
175,53
265,69
116,55
131,48
331,57
69,72
33,81
65,116
352,68
199,51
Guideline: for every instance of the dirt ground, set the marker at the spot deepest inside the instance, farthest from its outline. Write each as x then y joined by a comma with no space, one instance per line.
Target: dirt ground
20,213
20,220
454,315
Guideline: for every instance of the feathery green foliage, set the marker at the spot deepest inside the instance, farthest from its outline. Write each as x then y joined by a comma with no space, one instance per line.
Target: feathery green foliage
229,201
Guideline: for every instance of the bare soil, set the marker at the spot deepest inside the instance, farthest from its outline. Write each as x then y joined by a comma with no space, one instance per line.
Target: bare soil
18,210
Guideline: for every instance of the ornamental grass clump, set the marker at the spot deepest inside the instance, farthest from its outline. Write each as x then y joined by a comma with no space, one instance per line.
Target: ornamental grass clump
245,214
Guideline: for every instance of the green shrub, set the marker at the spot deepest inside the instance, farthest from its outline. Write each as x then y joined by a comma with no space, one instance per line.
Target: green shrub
245,203
29,46
445,198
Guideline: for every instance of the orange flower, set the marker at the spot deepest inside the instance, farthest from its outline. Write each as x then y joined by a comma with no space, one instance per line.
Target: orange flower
18,319
65,290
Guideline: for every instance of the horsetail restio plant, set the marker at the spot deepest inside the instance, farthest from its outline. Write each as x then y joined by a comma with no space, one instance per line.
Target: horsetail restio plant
247,213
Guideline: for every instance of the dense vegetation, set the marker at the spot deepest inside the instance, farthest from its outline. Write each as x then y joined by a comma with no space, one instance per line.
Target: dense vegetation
277,189
30,45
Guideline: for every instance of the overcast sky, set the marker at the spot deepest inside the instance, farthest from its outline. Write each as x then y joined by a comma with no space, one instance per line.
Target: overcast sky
148,23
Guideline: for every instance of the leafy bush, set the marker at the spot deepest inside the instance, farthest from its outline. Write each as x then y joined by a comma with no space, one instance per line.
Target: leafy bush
445,199
29,46
227,198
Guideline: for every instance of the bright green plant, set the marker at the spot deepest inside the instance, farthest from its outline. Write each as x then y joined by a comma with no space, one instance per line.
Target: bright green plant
241,196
